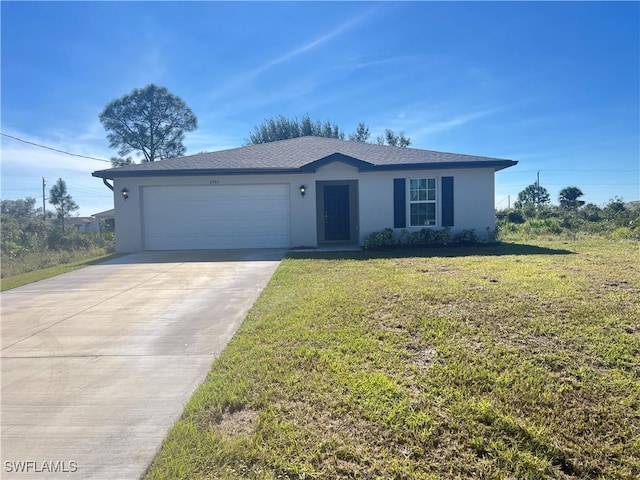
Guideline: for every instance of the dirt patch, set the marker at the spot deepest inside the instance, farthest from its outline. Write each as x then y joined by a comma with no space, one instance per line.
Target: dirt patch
633,328
237,423
619,285
425,357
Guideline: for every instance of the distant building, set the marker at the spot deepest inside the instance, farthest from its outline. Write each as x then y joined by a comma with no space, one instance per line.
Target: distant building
84,224
106,220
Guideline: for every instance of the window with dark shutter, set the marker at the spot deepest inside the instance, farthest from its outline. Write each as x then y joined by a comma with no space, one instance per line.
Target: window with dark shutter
422,202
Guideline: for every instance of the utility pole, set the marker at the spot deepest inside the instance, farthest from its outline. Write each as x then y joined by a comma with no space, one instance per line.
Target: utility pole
44,212
538,180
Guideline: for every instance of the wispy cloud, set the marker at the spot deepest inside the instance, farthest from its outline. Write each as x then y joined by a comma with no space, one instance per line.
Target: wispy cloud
343,28
372,60
244,78
421,122
455,121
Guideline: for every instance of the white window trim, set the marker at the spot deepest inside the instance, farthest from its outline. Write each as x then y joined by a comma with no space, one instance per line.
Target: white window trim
435,202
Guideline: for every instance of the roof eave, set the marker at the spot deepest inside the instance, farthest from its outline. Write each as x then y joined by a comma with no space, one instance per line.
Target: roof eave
111,174
495,164
309,168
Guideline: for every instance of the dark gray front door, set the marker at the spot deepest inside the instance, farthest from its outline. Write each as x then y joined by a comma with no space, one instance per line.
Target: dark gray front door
337,225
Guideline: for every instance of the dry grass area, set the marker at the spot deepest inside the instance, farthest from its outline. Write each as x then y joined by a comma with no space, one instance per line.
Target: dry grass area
40,265
496,362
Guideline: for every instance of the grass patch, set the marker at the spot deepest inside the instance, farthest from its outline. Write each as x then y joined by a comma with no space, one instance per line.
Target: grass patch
69,261
512,361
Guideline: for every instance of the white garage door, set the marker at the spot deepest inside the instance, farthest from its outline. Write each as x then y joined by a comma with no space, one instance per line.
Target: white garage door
216,217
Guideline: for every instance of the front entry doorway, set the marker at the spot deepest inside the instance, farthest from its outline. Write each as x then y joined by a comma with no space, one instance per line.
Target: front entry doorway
337,211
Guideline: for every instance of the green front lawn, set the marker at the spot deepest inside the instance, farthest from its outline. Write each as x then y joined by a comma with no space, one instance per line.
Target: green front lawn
512,361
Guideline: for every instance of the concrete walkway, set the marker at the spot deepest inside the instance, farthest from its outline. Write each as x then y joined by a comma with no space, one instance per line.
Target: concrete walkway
98,363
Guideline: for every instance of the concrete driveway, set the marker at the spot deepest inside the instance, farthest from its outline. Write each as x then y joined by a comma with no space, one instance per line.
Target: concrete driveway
98,363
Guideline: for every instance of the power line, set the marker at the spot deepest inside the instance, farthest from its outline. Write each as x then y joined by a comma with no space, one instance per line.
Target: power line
580,183
53,149
609,170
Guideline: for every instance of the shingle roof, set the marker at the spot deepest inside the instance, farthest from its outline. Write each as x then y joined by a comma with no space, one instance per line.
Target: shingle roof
304,154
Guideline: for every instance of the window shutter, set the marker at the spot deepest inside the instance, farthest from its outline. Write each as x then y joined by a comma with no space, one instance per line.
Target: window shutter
447,201
399,203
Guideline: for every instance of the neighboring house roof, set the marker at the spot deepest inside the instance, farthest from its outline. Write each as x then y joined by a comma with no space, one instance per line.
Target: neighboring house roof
80,220
106,214
304,154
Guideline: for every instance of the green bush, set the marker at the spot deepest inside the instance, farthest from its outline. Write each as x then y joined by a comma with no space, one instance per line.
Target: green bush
466,236
421,237
443,235
515,216
382,239
73,239
427,236
590,213
625,233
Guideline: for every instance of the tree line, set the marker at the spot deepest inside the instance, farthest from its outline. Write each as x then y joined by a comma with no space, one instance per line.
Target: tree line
533,214
283,128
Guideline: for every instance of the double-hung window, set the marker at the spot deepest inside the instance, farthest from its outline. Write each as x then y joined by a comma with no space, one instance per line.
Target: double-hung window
422,201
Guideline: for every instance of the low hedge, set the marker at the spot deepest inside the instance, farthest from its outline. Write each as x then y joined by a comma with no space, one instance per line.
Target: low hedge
425,237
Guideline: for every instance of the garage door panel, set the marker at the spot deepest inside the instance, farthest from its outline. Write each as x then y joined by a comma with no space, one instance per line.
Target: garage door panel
202,217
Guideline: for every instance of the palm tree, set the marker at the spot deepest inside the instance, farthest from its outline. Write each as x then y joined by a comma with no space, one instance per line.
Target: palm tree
569,198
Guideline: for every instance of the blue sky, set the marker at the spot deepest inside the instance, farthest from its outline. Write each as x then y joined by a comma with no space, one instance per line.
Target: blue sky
553,85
